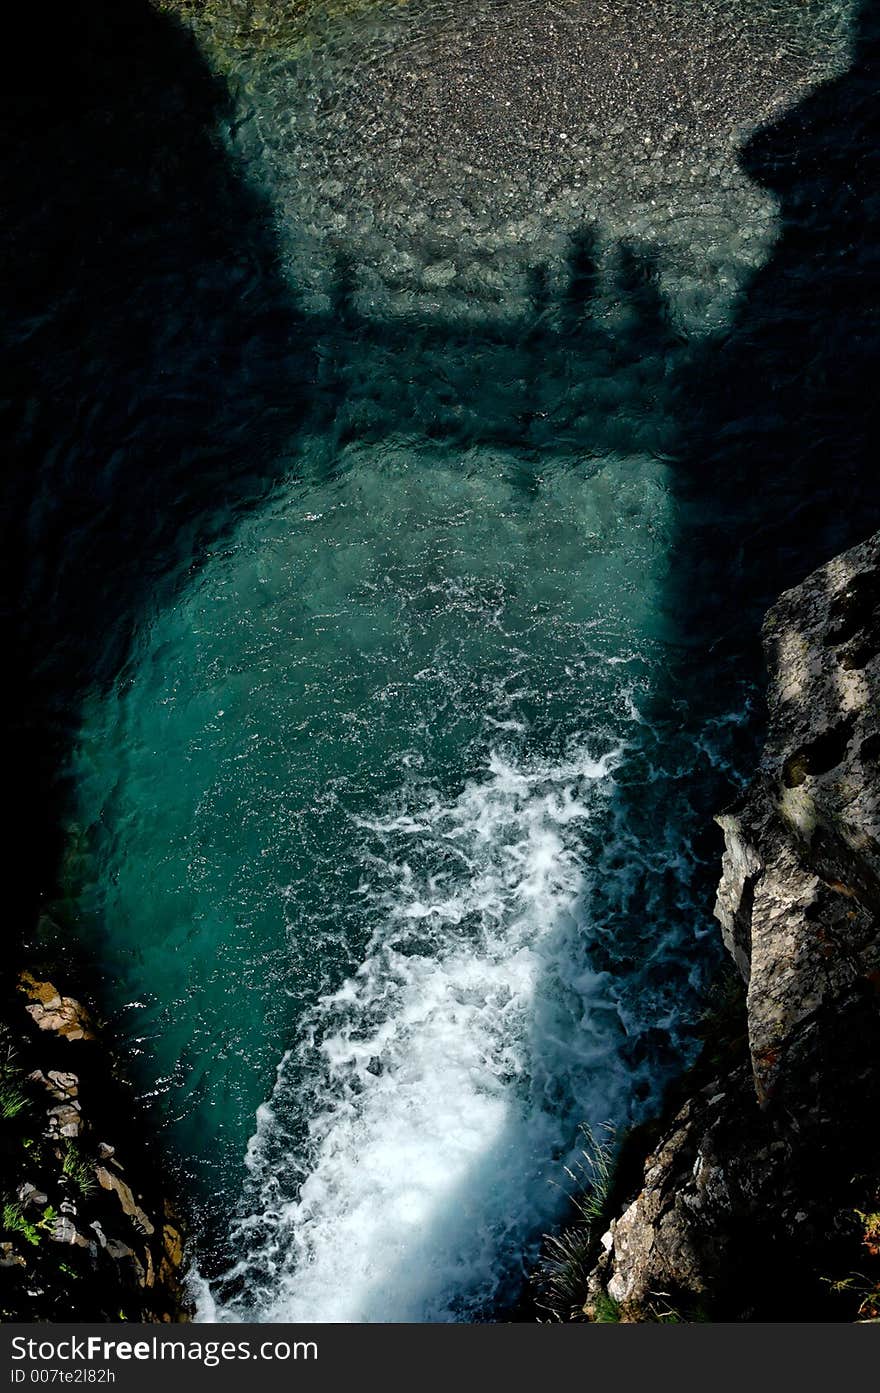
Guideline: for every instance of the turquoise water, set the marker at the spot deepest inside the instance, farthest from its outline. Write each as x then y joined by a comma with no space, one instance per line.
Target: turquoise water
374,752
392,821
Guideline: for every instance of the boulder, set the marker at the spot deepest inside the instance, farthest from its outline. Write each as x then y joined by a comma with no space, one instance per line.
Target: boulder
51,1011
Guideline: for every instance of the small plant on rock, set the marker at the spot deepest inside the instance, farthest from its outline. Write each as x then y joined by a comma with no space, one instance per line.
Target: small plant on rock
567,1258
12,1099
78,1170
862,1288
15,1222
47,1220
606,1311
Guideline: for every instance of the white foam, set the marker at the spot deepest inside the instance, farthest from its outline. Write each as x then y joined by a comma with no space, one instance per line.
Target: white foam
434,1128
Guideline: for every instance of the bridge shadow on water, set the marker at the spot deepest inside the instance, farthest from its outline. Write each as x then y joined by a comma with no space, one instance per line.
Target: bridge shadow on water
159,370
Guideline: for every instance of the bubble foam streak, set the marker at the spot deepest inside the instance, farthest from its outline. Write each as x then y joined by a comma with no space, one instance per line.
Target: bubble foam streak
433,1107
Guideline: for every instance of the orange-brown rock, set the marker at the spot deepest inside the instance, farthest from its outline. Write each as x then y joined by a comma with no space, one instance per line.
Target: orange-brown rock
52,1011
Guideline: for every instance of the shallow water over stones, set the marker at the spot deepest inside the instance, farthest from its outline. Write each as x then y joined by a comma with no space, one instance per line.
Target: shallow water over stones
441,149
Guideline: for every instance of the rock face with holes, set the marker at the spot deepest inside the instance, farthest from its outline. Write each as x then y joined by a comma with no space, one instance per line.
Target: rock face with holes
762,1189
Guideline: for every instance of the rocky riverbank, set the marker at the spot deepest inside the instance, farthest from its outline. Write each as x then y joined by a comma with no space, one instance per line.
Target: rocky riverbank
759,1199
89,1227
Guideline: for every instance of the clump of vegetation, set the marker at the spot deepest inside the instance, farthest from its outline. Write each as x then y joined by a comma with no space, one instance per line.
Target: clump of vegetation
13,1099
870,1231
860,1287
663,1311
78,1170
14,1221
594,1171
606,1311
561,1279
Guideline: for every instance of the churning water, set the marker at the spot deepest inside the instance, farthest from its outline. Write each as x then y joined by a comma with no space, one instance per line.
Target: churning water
389,832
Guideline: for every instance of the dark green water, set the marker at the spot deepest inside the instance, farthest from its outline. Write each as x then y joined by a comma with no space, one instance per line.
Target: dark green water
392,828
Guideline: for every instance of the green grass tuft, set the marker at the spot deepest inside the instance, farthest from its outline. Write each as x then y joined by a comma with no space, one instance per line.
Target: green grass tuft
15,1222
567,1258
78,1170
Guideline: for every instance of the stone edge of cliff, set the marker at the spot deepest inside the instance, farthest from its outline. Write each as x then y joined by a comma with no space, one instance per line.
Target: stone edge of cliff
90,1229
760,1198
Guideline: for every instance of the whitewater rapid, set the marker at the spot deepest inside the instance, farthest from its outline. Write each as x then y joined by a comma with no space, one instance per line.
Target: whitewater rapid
433,1073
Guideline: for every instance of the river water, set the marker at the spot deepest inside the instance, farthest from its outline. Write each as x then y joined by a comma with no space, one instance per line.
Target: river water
391,835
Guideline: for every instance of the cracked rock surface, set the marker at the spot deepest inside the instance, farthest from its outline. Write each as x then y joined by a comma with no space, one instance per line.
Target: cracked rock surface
749,1203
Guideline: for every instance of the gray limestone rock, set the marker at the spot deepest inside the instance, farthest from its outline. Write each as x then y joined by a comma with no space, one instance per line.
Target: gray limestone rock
800,891
762,1159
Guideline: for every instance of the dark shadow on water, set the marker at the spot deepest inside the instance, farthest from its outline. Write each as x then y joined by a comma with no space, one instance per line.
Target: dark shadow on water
153,368
776,467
